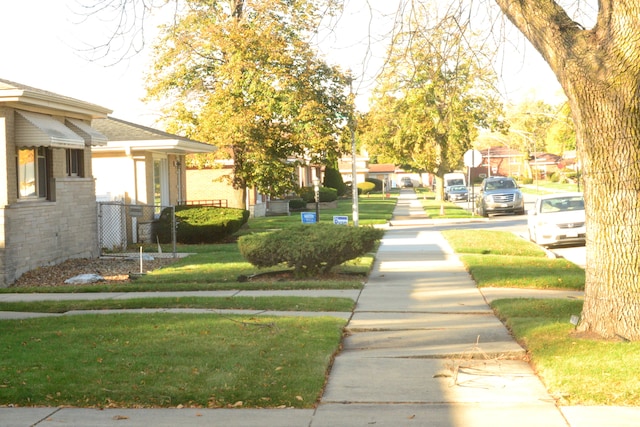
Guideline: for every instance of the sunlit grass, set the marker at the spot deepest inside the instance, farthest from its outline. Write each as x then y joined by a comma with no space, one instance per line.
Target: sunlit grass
166,360
576,370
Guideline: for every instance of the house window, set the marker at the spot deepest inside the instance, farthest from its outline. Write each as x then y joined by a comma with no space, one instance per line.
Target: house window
75,162
33,176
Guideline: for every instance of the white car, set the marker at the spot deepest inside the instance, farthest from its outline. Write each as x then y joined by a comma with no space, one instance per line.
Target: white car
558,219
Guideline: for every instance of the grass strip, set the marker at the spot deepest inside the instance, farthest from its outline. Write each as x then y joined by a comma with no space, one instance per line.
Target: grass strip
166,360
502,259
272,303
577,370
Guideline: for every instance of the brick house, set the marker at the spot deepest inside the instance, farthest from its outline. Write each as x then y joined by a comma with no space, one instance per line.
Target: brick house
48,212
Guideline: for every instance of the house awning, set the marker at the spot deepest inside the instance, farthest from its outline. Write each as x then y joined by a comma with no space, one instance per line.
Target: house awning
40,130
90,135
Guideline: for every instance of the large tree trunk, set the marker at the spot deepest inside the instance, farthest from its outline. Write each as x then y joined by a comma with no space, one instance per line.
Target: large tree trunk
599,70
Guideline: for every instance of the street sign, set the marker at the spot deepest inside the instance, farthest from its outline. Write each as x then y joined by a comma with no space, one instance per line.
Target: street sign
341,220
308,217
472,158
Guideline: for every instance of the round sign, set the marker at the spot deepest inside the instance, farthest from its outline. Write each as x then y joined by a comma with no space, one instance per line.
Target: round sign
472,158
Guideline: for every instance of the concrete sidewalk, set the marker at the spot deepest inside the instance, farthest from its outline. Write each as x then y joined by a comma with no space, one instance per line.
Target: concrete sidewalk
423,348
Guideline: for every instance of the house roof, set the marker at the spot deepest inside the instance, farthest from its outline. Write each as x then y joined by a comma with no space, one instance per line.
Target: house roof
128,137
382,168
22,96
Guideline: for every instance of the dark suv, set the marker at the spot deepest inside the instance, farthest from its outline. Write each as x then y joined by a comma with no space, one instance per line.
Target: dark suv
499,194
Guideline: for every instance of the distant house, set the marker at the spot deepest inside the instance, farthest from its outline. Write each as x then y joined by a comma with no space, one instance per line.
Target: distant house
47,195
385,172
501,161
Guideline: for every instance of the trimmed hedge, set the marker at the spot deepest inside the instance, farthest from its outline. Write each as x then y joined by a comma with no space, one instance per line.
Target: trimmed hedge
326,194
366,187
200,224
375,181
310,249
297,205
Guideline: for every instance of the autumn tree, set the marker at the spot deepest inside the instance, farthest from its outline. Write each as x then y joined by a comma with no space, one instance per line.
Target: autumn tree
241,75
435,92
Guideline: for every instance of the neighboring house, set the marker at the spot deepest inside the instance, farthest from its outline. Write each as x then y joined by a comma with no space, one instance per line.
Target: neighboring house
546,163
215,183
142,165
500,161
138,172
207,182
47,195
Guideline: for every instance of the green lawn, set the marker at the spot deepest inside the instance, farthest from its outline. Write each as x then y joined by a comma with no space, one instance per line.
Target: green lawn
502,259
166,360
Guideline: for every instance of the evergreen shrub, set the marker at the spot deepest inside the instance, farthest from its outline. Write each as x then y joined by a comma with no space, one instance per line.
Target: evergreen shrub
333,179
326,194
309,249
200,224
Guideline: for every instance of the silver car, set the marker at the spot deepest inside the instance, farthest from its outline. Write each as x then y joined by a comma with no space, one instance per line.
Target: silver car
499,194
558,219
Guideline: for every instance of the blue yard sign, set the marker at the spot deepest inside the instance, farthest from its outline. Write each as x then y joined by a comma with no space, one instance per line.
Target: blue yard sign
308,217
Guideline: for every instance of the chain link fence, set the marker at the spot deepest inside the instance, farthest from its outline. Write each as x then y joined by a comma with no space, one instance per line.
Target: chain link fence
123,228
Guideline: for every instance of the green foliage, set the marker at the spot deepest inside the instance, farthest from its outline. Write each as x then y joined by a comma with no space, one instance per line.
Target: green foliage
326,194
333,179
366,187
247,81
297,204
309,249
199,224
434,94
376,182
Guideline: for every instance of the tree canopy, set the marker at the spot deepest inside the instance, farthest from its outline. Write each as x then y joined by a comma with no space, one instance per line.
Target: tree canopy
434,94
242,76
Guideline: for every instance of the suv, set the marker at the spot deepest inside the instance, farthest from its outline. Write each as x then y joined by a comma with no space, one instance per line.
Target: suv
499,194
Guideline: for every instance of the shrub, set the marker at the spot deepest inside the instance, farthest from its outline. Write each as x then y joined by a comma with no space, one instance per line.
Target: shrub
326,194
376,182
555,177
297,204
366,187
526,180
309,249
333,179
200,224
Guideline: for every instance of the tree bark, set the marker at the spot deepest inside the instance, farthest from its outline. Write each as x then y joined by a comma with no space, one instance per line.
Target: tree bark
599,70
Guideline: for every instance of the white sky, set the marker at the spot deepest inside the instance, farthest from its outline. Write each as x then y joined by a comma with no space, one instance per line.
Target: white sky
41,38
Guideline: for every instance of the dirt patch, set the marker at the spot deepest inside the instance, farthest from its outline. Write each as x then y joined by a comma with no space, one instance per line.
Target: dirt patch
113,270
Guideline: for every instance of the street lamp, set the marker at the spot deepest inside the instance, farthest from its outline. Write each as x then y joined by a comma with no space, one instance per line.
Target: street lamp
316,189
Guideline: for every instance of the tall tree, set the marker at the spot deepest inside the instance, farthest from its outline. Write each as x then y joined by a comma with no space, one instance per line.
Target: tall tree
599,70
240,74
435,92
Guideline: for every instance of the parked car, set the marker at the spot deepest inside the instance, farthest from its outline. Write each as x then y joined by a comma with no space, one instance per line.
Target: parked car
499,194
455,193
558,219
406,182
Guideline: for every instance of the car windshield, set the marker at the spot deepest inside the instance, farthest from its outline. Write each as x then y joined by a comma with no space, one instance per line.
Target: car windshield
501,184
562,204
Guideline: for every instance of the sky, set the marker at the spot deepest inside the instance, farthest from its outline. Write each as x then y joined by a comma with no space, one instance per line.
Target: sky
43,42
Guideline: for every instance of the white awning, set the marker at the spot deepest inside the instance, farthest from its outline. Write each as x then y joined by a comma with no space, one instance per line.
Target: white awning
40,130
90,135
